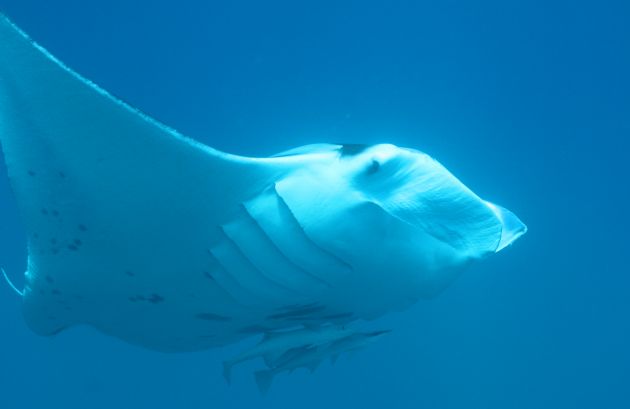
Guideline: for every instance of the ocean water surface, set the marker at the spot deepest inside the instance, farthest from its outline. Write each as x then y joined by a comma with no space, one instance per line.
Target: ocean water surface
527,102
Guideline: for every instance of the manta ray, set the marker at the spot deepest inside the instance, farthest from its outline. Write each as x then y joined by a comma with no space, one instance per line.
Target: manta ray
161,241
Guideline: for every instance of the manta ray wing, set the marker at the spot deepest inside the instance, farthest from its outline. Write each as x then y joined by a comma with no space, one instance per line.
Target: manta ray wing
117,206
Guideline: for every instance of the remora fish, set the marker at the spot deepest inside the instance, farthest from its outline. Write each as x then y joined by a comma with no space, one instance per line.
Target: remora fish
275,344
312,356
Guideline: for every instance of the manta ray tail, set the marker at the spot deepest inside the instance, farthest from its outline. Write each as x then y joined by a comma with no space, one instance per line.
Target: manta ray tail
227,371
264,380
8,280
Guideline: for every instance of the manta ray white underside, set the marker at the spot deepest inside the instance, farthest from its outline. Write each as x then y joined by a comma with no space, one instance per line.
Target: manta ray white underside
166,243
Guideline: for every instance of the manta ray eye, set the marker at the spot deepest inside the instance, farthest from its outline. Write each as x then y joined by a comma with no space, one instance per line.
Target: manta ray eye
373,167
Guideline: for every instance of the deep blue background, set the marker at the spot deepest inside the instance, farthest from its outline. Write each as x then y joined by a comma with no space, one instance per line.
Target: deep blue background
527,102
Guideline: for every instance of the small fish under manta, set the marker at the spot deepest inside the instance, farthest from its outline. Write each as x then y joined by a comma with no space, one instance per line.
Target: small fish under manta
300,348
166,243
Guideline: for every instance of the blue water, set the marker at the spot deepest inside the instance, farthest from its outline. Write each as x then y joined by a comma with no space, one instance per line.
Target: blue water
528,102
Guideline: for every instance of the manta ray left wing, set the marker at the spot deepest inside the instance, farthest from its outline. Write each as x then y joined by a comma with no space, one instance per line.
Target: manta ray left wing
101,185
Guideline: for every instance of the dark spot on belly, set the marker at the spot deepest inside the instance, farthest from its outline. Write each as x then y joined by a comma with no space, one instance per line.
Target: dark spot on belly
55,213
53,241
72,247
208,275
155,299
49,280
82,227
208,316
61,174
296,306
45,211
129,273
36,235
55,251
31,173
77,242
55,292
